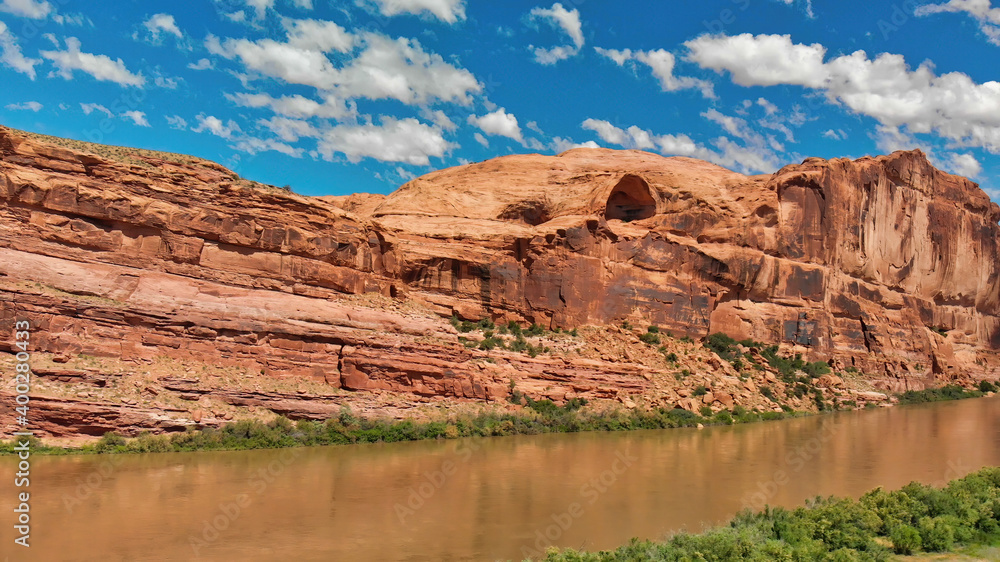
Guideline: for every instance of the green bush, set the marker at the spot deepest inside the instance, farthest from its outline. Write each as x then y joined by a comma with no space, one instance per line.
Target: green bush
905,539
700,390
832,529
936,534
986,386
650,338
950,392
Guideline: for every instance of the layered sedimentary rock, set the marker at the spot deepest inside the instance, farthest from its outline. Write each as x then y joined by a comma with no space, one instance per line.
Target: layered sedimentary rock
885,264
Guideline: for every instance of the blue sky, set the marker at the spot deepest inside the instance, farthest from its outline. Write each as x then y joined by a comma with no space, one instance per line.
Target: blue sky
335,97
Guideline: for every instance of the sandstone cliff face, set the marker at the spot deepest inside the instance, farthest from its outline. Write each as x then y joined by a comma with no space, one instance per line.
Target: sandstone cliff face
885,264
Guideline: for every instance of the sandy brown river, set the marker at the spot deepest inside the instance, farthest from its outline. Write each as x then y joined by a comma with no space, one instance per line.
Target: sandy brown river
487,499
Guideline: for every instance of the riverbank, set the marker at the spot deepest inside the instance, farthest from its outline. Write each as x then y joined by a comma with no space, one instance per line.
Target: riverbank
536,417
911,520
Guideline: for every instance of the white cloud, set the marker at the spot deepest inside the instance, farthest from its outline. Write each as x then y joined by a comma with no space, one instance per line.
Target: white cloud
260,7
769,107
166,82
252,145
499,123
400,69
11,55
162,23
318,35
402,140
32,9
837,134
809,6
214,125
762,60
619,56
534,127
560,144
449,11
755,156
26,106
202,64
551,55
295,106
385,68
987,16
964,165
561,18
567,21
951,105
289,130
176,122
662,63
89,108
137,117
439,118
481,139
101,67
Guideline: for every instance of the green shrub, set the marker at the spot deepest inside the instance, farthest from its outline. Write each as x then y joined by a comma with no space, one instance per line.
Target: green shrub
950,392
936,534
987,386
700,390
650,338
653,329
672,357
535,330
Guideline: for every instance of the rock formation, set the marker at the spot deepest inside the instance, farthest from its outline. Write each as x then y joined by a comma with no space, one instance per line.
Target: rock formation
885,264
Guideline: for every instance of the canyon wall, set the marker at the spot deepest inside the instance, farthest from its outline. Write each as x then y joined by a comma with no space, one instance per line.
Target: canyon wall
884,264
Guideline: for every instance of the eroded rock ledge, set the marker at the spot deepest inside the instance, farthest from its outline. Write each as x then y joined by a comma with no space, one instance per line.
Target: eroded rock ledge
885,264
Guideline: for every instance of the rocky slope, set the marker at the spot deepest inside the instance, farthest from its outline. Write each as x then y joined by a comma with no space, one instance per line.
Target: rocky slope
164,291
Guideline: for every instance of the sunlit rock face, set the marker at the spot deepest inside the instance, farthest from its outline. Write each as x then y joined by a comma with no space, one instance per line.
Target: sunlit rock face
885,264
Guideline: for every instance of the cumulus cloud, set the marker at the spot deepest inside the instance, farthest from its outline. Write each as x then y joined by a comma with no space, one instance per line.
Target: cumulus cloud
159,24
566,21
661,63
289,130
498,123
11,55
26,106
101,67
762,60
964,165
560,144
987,16
32,9
384,68
394,140
202,64
835,134
176,122
748,158
885,88
449,11
89,108
215,126
137,117
295,106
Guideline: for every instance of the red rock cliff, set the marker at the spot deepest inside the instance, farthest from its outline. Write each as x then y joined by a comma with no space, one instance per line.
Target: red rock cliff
886,264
